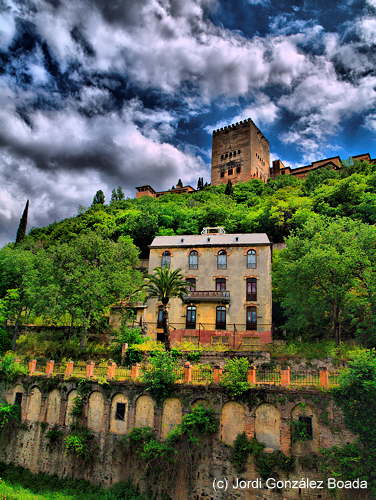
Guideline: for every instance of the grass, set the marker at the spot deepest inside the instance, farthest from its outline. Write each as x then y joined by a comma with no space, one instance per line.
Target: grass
313,350
17,483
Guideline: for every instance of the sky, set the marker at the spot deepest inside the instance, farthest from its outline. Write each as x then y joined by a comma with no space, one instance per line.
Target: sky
96,93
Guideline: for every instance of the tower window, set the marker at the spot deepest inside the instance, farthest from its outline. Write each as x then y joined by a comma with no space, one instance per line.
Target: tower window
230,171
238,151
222,174
160,317
238,170
120,411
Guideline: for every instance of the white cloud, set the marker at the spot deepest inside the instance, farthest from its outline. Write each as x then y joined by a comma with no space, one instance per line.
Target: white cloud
7,29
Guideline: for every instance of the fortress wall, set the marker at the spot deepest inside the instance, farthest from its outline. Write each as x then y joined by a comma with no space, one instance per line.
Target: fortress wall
112,410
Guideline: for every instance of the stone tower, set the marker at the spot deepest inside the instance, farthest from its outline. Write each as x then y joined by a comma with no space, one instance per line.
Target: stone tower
240,152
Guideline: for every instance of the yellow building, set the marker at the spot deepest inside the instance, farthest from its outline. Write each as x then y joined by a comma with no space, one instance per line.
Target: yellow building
230,296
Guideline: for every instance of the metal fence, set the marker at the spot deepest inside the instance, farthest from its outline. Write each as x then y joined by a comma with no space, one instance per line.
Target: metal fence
202,374
305,378
270,377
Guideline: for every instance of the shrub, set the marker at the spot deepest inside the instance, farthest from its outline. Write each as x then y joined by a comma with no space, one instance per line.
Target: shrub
161,375
235,377
9,414
200,420
10,369
78,443
299,431
54,435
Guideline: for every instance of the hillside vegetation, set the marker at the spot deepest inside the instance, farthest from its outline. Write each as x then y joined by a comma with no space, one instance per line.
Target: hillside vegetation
324,280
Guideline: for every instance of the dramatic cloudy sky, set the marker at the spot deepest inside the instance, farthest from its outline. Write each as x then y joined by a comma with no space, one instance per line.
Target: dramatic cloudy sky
100,93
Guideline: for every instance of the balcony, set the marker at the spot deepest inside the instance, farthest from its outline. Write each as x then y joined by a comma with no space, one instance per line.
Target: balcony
207,296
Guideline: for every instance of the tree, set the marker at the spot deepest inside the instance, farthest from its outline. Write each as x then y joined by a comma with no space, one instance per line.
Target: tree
166,284
91,273
200,183
99,198
21,232
117,195
325,278
228,189
179,184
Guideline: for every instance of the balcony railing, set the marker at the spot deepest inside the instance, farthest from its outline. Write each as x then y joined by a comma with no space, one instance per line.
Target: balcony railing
207,296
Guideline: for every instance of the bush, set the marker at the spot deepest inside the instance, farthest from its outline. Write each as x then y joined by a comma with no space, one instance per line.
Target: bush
5,340
9,414
10,369
78,443
161,375
235,377
199,421
54,435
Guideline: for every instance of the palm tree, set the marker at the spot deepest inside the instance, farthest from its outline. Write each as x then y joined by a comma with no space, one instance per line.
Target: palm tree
165,284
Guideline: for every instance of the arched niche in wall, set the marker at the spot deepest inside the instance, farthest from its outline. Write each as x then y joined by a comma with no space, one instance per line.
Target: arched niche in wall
95,411
172,415
119,414
11,395
200,402
33,405
304,430
268,426
53,407
70,403
144,412
232,421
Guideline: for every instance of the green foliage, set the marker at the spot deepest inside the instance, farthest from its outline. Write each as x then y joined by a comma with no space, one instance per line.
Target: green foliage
356,395
133,356
130,335
54,436
9,415
78,443
21,484
299,431
10,369
267,464
99,198
332,265
198,422
160,376
234,377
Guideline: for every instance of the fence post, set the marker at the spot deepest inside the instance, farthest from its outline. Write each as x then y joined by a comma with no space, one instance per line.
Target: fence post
286,376
90,369
111,370
217,374
32,366
50,367
68,369
187,373
324,377
251,376
135,371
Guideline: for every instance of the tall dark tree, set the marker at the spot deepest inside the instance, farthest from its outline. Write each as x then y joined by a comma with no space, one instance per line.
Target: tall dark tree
98,198
120,194
200,183
228,189
21,232
179,184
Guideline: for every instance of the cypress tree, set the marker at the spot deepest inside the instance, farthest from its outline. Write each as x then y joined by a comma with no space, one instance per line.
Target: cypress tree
113,195
120,194
179,184
228,189
21,231
98,198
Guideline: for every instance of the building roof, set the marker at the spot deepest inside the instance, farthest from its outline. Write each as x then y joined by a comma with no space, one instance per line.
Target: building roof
209,240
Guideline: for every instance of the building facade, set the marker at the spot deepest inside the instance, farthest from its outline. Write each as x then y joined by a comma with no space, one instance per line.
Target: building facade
229,300
240,152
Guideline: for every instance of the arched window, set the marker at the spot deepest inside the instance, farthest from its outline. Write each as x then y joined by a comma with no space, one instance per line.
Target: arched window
251,259
191,317
252,289
251,319
220,318
222,259
166,259
193,260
